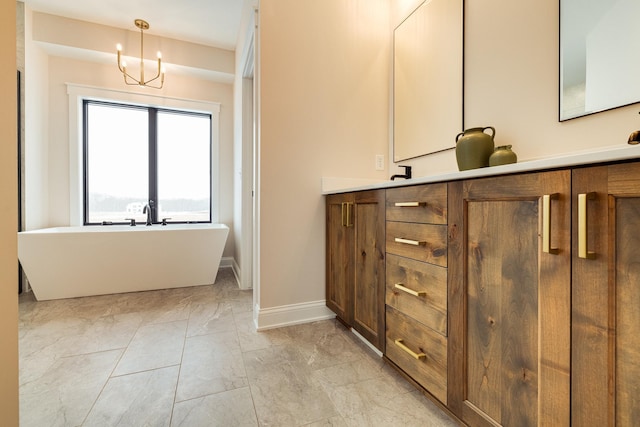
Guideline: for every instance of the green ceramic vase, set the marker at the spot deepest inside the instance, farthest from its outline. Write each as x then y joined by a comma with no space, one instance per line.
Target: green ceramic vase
474,147
502,156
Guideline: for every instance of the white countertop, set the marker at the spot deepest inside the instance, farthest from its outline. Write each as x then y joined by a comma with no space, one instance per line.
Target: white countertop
608,154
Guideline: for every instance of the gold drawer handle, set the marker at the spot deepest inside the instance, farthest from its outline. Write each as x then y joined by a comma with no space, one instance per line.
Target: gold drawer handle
417,356
583,250
546,223
410,291
409,204
409,241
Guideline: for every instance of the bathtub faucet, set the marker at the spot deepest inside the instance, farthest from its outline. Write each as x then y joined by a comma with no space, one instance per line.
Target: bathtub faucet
147,210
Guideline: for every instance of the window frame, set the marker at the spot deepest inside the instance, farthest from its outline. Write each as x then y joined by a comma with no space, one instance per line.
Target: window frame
77,93
152,191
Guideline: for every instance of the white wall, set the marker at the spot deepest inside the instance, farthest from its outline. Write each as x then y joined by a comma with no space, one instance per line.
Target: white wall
324,72
51,156
243,130
8,218
36,147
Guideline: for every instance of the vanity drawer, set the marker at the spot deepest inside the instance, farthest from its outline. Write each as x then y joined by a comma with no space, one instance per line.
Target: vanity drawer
419,351
424,242
420,203
406,278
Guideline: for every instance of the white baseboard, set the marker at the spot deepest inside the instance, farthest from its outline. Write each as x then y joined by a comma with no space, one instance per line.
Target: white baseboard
227,261
293,314
230,262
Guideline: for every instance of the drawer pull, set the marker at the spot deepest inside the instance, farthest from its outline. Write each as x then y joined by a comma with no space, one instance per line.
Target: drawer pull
546,223
410,291
583,250
409,204
417,356
409,241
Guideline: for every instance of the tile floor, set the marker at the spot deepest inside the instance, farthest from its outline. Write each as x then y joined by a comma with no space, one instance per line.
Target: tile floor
191,357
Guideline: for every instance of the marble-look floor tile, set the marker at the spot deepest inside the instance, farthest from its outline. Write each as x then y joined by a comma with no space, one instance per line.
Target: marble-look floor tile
193,357
141,399
336,421
211,364
251,340
210,317
65,393
343,374
232,408
402,410
153,346
284,393
41,346
364,396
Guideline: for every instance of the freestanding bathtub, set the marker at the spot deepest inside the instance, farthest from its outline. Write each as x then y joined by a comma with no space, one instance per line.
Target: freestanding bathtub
67,262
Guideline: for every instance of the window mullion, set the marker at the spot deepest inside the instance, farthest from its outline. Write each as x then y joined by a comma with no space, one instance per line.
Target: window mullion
153,163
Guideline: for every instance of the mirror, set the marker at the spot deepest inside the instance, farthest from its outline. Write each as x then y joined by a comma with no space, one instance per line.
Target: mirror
599,61
427,80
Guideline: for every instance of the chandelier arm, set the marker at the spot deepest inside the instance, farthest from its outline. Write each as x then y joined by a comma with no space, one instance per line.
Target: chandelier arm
156,76
127,75
129,79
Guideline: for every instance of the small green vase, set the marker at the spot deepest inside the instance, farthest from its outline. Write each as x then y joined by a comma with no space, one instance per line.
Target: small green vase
502,156
474,147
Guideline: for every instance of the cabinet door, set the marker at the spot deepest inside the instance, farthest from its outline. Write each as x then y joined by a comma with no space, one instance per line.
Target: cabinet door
606,296
509,300
340,249
369,283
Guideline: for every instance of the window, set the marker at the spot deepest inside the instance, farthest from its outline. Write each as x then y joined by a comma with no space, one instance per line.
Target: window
136,156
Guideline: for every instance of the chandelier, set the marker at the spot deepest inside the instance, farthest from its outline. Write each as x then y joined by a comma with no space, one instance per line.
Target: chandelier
122,65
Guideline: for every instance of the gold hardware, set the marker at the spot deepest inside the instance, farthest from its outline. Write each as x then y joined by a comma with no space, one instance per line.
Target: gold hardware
346,214
409,241
417,356
410,291
122,65
409,204
349,214
583,251
546,223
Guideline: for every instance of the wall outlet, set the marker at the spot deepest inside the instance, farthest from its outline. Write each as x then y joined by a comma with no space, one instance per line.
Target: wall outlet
379,162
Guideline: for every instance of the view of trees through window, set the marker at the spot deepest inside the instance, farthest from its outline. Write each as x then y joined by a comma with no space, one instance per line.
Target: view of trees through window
137,156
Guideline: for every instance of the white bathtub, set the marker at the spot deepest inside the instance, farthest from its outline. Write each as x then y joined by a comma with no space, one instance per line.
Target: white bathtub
67,262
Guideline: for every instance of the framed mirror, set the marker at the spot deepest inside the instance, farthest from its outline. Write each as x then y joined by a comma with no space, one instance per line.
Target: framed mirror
427,80
599,60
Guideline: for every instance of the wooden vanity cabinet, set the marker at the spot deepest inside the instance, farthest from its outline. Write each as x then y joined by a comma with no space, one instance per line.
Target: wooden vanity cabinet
356,261
605,375
513,300
416,295
510,300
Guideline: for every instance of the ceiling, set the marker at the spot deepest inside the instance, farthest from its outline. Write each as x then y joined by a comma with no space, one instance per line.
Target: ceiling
208,22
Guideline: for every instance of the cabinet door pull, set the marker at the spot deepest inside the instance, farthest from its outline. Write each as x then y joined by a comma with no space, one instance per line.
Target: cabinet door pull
417,356
409,204
409,241
410,291
583,250
546,223
346,214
